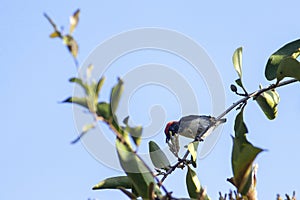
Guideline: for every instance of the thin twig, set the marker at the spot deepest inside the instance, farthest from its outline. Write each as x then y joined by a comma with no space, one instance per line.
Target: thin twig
255,94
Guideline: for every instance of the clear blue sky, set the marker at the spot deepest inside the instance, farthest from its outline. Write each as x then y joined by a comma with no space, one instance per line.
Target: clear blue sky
37,160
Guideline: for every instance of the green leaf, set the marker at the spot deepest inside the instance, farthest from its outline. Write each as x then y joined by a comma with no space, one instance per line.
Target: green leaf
77,100
126,120
91,97
135,170
55,34
115,96
268,102
243,155
89,71
84,86
239,82
237,61
288,67
103,110
84,130
114,183
158,157
99,85
290,49
74,20
88,127
135,132
71,44
192,183
240,127
192,147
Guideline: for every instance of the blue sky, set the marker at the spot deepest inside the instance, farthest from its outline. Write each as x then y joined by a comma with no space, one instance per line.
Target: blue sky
37,160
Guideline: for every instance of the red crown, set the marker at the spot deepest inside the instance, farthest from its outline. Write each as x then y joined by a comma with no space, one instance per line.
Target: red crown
167,127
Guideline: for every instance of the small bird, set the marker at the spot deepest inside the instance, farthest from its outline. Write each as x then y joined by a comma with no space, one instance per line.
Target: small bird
191,126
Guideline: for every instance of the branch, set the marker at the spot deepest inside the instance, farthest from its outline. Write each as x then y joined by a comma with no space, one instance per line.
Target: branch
230,108
121,139
255,94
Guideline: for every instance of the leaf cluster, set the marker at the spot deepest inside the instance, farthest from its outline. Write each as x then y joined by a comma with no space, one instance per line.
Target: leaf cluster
139,180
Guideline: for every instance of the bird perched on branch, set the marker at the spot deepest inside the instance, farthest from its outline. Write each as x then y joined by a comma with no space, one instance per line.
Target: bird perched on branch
192,126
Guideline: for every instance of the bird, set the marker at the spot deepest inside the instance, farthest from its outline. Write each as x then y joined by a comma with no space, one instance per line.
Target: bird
191,126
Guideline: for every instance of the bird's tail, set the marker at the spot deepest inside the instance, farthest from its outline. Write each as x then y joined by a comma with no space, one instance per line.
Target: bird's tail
223,120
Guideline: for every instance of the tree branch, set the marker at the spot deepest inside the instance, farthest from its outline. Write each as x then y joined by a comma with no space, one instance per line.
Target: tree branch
230,108
121,139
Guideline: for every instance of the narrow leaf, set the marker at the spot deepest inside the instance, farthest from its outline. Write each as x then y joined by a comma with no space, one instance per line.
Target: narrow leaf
56,31
88,127
290,49
89,71
240,127
114,183
55,34
135,170
192,147
192,183
158,157
115,97
237,61
74,19
79,81
99,85
77,100
85,129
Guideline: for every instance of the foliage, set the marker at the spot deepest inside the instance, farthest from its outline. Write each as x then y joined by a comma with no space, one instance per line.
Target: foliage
139,180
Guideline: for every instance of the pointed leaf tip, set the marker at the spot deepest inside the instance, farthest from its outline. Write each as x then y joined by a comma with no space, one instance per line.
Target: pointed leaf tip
240,127
74,19
115,96
158,157
99,85
192,147
140,176
114,183
76,100
192,183
237,61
